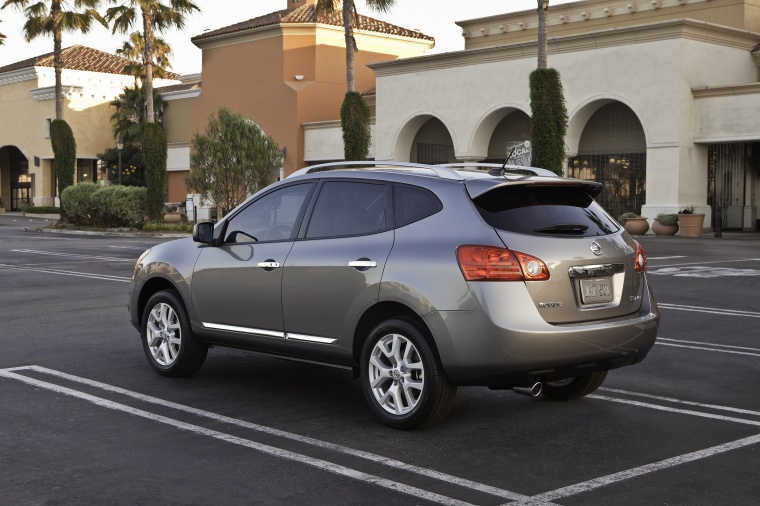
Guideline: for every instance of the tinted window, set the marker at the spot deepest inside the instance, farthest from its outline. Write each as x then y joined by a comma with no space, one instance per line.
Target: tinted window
413,204
347,208
269,218
545,210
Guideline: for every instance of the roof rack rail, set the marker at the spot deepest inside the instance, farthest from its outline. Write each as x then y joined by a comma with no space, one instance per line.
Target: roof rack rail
440,171
500,168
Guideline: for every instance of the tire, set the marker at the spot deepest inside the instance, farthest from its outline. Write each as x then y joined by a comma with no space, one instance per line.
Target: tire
575,388
402,377
168,341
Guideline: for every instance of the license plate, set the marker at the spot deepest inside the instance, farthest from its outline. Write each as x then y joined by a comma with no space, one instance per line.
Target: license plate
596,290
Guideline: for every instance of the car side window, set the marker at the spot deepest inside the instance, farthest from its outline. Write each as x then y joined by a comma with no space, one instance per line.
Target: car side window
348,208
269,218
413,204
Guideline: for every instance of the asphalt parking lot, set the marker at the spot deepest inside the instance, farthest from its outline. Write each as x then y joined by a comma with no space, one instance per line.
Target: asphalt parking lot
84,419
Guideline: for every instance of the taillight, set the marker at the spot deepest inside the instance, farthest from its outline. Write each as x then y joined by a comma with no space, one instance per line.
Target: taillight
488,263
640,263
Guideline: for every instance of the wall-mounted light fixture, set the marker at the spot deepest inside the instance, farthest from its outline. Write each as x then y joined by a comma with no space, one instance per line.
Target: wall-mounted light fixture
298,77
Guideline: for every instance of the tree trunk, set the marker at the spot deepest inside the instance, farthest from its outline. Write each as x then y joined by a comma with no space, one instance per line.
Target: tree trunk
148,62
543,35
55,12
350,44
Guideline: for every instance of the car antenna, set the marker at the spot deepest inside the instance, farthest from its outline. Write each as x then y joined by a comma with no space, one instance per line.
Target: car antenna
509,155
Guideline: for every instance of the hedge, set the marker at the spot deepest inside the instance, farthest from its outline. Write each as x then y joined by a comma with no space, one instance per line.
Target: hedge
89,204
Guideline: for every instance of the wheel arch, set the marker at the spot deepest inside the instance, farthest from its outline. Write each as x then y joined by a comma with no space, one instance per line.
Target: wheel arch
152,286
385,311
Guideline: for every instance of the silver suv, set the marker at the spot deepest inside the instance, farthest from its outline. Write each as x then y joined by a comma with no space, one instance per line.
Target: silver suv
419,278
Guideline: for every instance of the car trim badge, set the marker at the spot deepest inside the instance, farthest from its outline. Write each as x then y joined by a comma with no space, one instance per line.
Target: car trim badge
595,248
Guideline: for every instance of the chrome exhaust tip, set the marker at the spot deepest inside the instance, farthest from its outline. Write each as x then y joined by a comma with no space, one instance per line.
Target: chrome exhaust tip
531,389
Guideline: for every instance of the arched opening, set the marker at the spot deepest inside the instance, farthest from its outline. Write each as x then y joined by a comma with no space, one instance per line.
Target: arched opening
16,184
432,144
612,151
511,132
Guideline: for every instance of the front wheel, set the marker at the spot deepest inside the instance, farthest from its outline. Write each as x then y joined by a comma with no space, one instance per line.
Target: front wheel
402,377
168,342
573,388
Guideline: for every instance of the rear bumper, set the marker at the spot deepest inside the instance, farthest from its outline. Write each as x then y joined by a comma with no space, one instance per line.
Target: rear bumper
511,344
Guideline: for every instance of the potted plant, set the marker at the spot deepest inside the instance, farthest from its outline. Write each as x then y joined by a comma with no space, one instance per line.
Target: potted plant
171,214
665,224
633,223
691,223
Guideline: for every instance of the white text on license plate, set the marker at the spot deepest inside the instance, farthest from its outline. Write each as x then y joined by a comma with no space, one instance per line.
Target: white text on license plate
596,290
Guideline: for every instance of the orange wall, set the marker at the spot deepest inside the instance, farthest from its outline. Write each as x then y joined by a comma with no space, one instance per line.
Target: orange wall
257,79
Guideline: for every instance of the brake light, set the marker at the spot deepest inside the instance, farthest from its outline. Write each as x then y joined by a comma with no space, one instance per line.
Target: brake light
488,263
640,262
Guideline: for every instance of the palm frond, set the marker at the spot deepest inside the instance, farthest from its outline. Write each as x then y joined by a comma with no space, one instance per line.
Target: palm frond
121,18
383,6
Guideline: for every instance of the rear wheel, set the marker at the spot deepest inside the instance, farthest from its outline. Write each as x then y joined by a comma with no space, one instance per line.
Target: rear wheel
402,377
573,388
168,342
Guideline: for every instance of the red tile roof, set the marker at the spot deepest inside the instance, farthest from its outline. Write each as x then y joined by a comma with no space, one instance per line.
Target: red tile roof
306,14
80,58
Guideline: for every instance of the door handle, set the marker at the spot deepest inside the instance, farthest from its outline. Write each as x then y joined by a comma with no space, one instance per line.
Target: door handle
362,264
269,264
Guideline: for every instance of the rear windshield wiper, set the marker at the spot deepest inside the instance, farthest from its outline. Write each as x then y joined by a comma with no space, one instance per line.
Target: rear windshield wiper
563,228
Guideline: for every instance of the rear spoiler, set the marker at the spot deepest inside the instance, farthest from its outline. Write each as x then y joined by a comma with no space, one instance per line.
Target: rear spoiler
478,187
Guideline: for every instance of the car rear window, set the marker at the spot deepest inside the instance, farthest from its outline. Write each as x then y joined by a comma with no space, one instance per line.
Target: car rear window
545,210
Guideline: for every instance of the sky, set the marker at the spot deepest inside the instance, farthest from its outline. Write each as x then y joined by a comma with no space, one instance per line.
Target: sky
432,17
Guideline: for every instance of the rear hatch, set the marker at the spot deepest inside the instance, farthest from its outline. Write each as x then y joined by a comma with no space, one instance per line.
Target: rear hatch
591,261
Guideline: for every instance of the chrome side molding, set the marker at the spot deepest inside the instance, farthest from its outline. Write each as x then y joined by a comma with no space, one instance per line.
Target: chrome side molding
270,333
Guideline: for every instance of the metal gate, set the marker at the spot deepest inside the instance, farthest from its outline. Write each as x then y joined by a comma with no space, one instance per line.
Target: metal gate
726,178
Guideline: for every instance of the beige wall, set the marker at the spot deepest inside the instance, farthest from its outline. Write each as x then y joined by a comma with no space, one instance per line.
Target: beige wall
592,15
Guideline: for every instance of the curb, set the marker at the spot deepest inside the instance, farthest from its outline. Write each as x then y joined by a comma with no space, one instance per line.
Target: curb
107,234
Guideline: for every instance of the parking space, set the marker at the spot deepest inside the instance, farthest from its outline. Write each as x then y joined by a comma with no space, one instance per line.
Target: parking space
85,417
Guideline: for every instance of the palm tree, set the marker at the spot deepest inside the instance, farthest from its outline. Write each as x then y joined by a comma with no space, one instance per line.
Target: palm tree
54,19
155,16
350,19
2,37
133,48
129,118
543,35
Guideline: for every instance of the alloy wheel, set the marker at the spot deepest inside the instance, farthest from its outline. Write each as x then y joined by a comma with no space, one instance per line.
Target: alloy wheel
164,334
396,374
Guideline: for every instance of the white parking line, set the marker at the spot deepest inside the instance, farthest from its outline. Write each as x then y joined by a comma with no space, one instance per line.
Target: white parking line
610,479
680,401
269,450
715,262
709,310
658,407
709,344
74,255
667,258
480,487
104,277
704,348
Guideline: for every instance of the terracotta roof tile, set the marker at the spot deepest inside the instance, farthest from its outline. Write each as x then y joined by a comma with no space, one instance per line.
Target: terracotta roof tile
180,87
307,14
370,92
79,58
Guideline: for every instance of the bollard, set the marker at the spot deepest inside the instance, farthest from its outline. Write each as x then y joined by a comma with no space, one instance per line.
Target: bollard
718,223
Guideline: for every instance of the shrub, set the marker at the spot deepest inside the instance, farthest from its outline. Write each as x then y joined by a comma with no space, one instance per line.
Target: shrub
76,203
667,219
41,209
625,216
119,206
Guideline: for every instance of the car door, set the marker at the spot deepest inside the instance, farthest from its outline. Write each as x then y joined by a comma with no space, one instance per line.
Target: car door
237,285
333,272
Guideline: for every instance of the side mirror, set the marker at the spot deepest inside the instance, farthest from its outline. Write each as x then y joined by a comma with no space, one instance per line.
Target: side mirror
203,232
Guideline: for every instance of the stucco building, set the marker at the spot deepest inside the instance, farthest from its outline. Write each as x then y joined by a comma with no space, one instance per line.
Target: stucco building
283,70
91,80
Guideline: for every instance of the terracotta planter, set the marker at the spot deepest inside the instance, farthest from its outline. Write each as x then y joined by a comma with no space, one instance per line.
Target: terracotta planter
691,224
660,229
172,218
636,226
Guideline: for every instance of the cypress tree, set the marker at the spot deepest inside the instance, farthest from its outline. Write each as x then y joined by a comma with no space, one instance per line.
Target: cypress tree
548,120
64,153
354,121
154,156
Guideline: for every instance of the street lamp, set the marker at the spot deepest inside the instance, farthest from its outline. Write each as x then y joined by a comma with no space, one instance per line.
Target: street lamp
120,146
